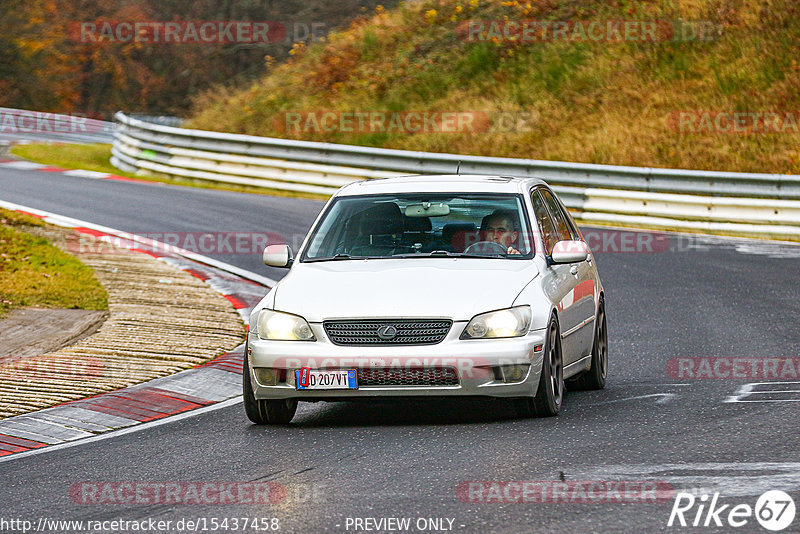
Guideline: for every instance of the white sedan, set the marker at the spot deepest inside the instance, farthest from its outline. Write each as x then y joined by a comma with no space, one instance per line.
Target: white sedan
428,286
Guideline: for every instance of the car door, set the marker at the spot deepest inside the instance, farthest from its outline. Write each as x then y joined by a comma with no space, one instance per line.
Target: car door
558,282
581,298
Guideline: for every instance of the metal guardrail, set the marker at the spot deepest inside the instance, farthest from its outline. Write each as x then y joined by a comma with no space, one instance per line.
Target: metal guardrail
164,120
737,203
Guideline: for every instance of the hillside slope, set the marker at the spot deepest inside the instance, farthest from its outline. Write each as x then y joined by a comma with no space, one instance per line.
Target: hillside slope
81,56
665,94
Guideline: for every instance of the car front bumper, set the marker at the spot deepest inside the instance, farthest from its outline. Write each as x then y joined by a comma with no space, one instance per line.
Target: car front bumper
473,360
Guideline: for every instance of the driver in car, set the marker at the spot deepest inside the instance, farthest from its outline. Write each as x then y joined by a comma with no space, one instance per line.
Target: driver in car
500,227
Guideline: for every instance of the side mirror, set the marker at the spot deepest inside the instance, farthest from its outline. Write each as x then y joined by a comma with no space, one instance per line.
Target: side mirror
569,252
278,255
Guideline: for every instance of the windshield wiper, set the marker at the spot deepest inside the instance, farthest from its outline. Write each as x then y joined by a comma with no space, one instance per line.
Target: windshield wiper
444,253
464,255
426,254
336,257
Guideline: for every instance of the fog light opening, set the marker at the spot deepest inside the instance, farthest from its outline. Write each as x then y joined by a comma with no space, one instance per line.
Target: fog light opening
269,377
513,373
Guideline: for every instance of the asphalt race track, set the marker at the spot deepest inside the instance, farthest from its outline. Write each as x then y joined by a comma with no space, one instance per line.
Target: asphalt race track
691,297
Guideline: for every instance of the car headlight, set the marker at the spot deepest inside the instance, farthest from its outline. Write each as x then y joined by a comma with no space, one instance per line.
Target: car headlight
511,322
283,327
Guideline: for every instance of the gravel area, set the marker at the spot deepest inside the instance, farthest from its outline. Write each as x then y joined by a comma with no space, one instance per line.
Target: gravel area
160,320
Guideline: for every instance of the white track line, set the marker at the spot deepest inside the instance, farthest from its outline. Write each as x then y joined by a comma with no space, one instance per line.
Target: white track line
123,431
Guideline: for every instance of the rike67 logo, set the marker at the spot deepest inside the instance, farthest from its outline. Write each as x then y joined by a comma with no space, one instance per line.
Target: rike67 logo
774,510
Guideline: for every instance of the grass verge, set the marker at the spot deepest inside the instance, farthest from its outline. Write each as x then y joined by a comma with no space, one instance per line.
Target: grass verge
35,273
96,157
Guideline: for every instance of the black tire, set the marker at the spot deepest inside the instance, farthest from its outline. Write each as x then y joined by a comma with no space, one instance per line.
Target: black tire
265,412
550,393
595,376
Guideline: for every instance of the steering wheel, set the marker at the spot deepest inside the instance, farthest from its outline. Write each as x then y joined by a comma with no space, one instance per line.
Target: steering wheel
486,247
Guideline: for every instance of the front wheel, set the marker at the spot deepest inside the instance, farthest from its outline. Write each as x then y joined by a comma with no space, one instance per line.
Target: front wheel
265,412
550,392
595,377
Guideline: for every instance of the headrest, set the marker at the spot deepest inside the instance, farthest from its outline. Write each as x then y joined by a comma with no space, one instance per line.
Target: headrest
382,219
451,229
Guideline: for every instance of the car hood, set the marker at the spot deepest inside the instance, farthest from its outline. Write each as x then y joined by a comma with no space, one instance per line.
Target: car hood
427,287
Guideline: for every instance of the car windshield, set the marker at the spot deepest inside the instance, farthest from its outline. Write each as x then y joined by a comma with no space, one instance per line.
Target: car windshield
422,225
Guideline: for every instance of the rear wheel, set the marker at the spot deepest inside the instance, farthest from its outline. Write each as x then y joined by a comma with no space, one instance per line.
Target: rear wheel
265,412
595,377
550,392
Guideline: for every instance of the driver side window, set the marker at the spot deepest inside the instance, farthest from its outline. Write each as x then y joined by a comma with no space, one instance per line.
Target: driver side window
546,227
559,220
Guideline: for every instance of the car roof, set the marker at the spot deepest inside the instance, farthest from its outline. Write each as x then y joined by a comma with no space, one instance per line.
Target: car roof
441,183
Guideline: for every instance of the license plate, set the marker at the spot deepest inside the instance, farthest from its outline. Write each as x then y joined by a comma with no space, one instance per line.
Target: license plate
315,379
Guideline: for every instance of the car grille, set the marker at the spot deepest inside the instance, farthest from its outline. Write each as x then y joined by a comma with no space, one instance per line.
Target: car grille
408,332
414,376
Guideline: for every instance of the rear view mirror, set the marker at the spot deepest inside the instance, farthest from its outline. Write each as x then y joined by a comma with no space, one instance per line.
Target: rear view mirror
427,209
569,252
278,255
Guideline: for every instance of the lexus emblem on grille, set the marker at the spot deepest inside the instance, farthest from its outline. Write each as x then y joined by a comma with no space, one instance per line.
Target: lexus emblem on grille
387,332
